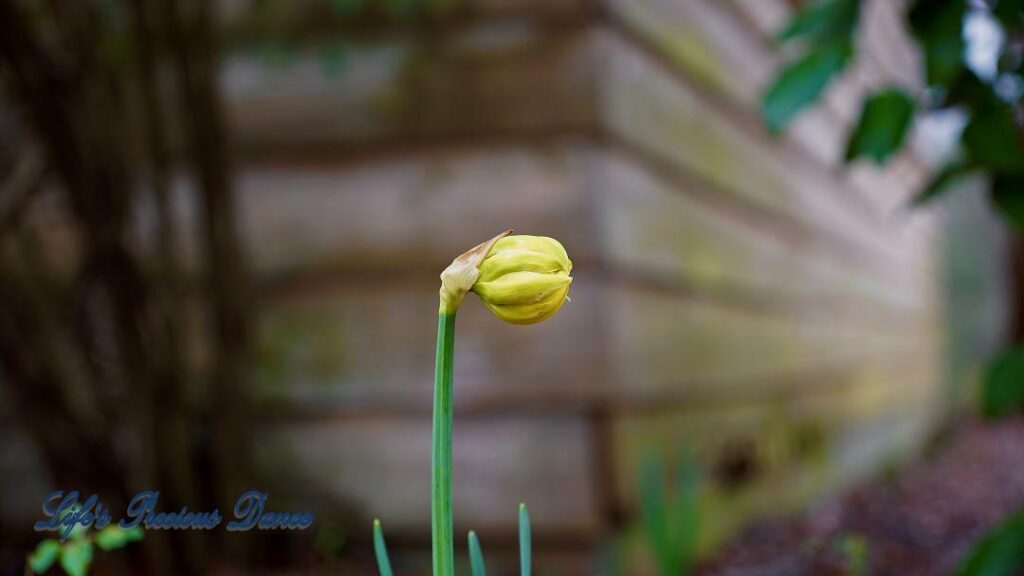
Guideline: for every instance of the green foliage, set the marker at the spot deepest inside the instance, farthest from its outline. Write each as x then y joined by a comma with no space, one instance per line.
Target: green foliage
802,82
990,137
670,518
828,28
1011,14
113,537
1002,390
823,21
938,27
44,556
76,556
998,553
882,126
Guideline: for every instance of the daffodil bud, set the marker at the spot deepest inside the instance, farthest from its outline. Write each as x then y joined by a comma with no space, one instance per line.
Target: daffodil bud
524,279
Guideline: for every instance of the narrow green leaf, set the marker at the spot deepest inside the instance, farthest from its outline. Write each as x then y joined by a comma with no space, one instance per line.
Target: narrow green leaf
113,537
685,518
380,550
938,26
1008,196
941,182
654,514
476,555
44,556
1002,390
802,82
882,126
525,545
823,20
76,556
998,553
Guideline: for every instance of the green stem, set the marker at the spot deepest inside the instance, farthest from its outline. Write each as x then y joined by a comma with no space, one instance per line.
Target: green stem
441,485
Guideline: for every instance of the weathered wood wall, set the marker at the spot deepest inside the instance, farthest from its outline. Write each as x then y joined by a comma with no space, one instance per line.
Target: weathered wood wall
748,297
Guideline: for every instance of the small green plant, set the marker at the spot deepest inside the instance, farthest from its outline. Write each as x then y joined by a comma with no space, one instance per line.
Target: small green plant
75,554
522,280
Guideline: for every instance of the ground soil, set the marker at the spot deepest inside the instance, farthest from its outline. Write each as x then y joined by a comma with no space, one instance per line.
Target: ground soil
918,521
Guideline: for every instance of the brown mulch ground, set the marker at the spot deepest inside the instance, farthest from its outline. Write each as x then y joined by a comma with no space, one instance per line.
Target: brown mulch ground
920,522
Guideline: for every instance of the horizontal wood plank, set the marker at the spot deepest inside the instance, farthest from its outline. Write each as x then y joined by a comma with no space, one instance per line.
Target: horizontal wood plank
381,468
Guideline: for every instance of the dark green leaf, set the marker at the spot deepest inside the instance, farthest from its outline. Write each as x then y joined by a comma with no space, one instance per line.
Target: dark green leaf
938,25
969,89
940,183
823,20
882,126
990,137
1010,13
75,557
802,82
1008,196
44,556
1002,390
113,537
998,553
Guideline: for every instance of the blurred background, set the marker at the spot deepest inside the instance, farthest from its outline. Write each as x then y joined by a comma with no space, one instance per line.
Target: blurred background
222,224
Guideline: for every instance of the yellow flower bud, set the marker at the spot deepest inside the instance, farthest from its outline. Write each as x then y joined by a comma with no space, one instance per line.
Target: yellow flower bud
524,279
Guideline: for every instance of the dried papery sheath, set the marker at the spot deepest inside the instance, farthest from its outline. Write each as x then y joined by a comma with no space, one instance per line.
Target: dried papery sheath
460,276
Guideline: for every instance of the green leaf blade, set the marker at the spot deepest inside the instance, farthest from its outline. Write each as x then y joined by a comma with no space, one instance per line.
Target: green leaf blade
823,20
113,537
882,126
476,555
525,542
76,556
998,553
381,550
44,556
938,26
802,82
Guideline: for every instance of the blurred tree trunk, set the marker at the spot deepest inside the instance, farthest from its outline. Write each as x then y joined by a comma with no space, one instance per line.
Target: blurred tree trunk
196,52
94,358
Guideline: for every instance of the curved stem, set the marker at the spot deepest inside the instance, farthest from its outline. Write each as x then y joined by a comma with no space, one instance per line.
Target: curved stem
441,472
